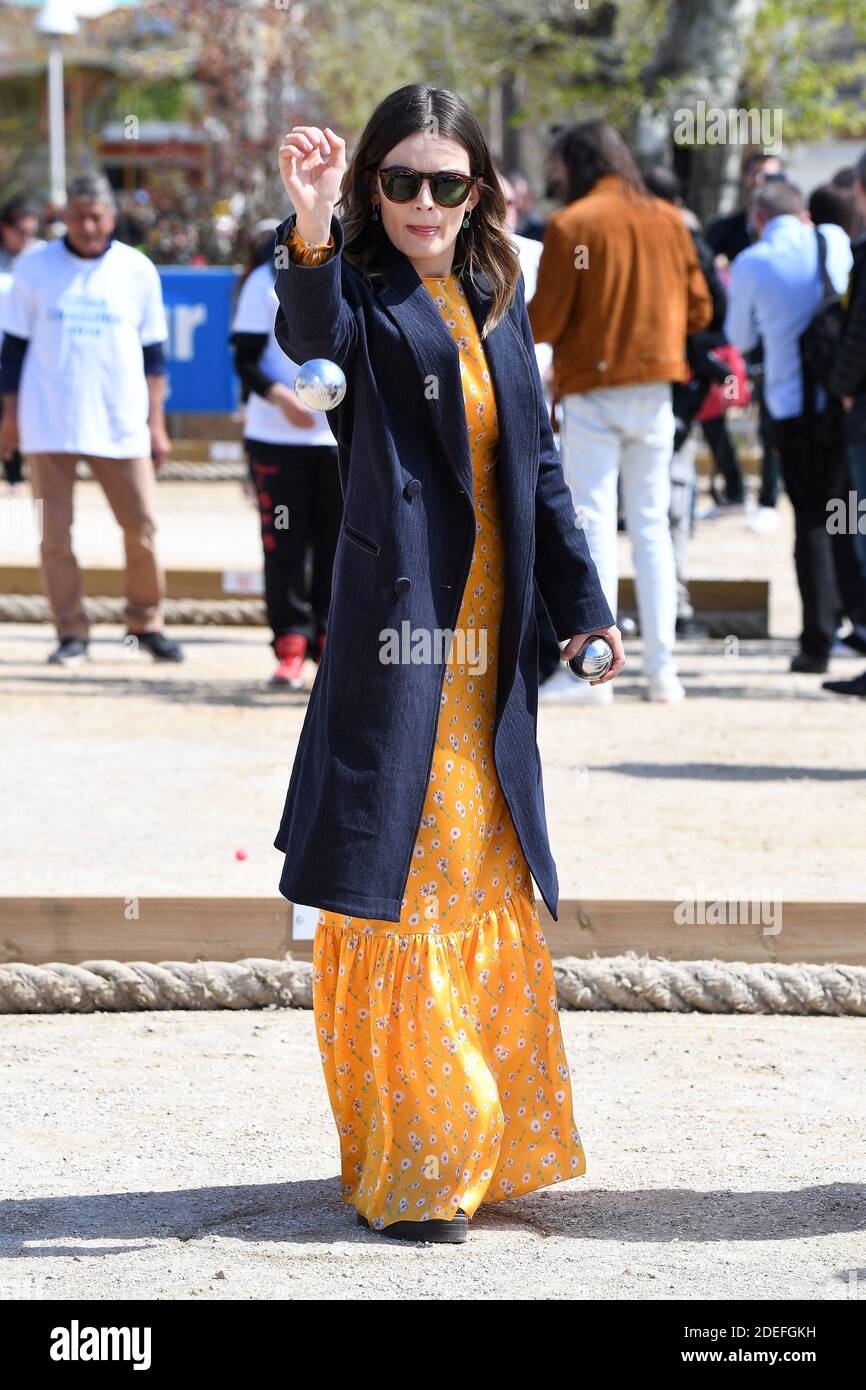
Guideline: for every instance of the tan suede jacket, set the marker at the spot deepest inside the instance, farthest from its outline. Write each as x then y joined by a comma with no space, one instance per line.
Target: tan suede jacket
619,289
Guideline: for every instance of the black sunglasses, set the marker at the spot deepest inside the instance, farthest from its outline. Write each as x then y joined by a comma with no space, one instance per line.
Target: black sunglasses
401,185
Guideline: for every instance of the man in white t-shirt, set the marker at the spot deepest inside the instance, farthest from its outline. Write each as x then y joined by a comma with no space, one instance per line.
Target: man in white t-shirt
82,373
293,461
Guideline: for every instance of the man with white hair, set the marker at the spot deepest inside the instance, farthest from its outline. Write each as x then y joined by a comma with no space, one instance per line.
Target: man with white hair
82,373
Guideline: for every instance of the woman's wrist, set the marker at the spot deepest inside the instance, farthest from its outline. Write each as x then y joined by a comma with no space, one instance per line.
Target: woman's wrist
314,233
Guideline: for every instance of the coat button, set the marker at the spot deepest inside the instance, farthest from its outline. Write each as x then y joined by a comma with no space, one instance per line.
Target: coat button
402,584
412,488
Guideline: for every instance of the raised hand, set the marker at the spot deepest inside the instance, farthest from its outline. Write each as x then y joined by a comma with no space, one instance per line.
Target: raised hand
312,164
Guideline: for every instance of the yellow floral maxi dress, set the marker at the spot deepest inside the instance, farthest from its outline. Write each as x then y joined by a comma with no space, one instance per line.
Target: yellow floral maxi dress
439,1035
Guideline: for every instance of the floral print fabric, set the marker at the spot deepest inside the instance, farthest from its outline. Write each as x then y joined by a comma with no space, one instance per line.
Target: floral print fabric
439,1034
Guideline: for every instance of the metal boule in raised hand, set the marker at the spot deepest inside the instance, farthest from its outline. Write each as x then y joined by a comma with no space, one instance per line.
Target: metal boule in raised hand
594,659
320,384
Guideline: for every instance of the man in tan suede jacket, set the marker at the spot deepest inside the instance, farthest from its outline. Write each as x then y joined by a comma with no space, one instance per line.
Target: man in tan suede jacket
619,290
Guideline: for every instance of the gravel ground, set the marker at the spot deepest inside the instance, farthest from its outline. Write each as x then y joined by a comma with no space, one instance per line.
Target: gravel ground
724,1153
193,1156
754,783
130,778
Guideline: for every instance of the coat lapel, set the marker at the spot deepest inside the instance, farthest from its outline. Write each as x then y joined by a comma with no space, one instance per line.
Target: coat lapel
407,302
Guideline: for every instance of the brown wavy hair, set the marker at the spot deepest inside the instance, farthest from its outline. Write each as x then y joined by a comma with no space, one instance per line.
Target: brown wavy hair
591,149
483,245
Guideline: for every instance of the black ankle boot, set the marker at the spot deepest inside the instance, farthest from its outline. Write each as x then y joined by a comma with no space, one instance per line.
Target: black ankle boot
438,1230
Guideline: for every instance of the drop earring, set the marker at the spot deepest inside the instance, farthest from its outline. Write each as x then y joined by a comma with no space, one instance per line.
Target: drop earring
375,212
465,222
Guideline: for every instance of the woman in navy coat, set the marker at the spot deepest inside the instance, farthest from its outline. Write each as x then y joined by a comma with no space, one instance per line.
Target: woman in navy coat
416,795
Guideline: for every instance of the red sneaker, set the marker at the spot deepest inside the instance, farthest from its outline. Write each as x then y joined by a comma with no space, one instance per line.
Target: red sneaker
291,652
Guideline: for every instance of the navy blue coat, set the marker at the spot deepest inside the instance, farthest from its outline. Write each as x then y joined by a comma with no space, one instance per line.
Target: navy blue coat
361,770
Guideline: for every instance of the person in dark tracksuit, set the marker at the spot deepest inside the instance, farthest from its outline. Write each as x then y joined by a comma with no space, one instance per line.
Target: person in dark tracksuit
293,461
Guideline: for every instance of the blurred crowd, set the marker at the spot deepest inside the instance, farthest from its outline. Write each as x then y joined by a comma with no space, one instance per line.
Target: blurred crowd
652,334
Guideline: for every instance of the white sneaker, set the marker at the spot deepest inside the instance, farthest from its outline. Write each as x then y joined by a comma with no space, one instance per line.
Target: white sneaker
565,686
763,519
666,689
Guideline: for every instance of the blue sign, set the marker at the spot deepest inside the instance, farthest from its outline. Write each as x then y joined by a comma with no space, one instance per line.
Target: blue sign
199,305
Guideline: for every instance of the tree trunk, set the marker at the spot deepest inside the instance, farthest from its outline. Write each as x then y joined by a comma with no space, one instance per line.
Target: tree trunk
702,54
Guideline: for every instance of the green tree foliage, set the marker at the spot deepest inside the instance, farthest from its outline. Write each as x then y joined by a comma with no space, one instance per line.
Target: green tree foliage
810,59
570,59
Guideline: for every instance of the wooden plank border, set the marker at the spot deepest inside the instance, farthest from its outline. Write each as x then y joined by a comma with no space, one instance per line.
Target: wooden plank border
743,595
37,930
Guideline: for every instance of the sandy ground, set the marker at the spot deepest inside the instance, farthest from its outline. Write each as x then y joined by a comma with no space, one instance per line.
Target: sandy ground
191,1156
215,526
194,1155
130,778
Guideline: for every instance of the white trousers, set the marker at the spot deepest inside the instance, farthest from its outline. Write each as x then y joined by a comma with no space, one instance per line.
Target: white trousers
627,430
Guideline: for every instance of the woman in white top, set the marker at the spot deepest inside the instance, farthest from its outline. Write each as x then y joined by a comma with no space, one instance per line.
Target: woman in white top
293,461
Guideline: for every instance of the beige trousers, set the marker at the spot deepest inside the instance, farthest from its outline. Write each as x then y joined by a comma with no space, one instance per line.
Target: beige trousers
130,487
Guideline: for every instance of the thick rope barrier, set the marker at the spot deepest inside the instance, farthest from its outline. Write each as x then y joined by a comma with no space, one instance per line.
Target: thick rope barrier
213,471
33,608
630,983
121,986
644,984
192,471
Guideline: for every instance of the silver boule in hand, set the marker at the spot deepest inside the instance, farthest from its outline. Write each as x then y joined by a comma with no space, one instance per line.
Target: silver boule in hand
320,384
594,659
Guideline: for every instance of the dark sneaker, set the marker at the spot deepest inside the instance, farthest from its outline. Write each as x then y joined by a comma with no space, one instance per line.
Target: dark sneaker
857,686
854,641
160,647
441,1232
70,652
810,665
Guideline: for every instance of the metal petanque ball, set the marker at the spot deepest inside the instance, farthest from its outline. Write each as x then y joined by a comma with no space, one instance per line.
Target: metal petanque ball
320,384
594,659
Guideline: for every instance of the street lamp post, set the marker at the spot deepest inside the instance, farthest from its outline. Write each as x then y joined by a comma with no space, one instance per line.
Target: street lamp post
56,20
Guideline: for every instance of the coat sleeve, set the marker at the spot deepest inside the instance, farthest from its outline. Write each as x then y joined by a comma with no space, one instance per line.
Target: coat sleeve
313,318
564,569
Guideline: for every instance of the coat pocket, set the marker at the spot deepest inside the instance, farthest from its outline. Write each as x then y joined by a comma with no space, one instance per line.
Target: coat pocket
371,546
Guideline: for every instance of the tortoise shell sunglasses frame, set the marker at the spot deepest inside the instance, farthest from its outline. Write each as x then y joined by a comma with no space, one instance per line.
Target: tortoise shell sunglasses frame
448,188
